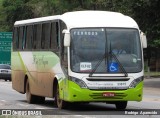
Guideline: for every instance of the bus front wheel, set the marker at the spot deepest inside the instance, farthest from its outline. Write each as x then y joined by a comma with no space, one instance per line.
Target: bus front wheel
58,101
121,105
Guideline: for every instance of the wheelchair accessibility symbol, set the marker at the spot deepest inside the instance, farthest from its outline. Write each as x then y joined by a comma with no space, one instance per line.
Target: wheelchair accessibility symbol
113,67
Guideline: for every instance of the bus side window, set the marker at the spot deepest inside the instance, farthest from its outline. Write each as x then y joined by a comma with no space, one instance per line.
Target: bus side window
38,34
29,37
16,38
45,36
21,33
54,36
24,37
34,36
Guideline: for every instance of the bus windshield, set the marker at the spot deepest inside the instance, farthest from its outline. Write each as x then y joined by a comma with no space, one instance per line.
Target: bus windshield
105,50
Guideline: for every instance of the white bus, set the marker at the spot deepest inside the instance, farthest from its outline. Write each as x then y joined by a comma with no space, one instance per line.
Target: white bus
71,58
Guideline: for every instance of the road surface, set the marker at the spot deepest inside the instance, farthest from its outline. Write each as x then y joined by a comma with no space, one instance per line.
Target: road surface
11,99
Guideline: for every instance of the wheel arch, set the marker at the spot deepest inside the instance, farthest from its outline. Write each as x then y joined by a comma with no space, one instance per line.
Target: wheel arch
25,81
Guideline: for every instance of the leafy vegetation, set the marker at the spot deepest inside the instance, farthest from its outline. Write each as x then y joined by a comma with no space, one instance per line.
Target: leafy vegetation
145,12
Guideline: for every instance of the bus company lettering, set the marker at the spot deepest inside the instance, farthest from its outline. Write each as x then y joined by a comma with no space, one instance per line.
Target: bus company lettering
85,33
39,60
100,84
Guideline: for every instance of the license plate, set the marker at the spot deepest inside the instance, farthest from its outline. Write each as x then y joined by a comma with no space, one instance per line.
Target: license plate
108,94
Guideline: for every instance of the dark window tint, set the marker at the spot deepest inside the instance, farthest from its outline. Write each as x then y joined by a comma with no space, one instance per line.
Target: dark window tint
45,42
35,37
16,38
24,37
54,36
38,35
21,33
29,37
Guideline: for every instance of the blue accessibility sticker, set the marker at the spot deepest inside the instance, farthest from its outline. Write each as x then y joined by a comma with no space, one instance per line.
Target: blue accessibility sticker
113,67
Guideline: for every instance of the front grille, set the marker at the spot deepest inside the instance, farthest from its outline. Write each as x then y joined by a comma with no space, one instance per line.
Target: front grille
103,79
100,96
108,88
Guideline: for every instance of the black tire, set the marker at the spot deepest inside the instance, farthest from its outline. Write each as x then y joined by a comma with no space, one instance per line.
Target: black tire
121,105
61,104
84,103
30,98
40,99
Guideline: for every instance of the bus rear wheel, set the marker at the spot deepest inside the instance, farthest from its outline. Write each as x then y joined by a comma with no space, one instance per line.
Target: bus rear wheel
30,98
121,105
33,98
40,99
61,104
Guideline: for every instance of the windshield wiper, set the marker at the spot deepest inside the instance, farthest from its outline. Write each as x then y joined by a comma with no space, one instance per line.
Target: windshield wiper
121,66
104,56
97,65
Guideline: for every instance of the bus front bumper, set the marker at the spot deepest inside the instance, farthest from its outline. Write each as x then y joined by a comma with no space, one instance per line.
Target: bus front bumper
73,93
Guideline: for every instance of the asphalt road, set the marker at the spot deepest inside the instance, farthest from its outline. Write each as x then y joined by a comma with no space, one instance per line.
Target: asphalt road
10,99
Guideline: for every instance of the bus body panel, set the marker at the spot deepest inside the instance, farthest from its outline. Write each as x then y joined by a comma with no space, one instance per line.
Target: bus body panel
40,69
18,72
76,94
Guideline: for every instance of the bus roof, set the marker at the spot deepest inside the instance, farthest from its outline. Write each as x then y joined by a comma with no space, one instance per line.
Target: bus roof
97,19
79,19
36,20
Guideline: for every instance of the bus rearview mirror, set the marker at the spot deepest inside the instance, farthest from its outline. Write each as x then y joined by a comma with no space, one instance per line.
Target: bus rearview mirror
67,38
144,40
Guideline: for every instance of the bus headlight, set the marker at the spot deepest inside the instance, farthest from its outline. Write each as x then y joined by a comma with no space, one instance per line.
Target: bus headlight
135,82
81,83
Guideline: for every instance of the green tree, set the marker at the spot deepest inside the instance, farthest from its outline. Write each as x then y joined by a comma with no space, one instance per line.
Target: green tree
3,26
14,10
145,12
